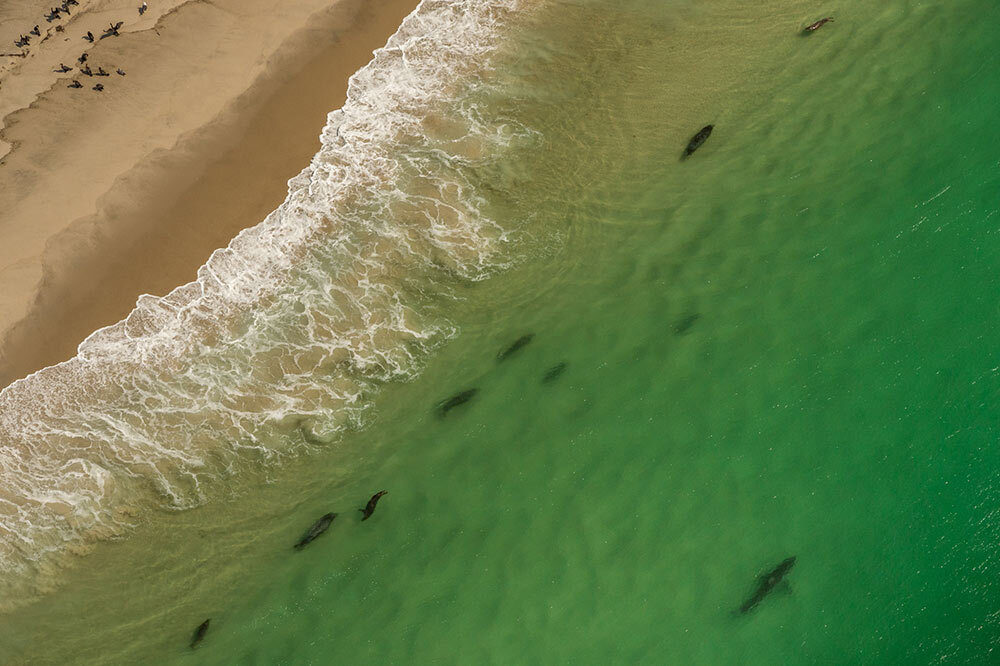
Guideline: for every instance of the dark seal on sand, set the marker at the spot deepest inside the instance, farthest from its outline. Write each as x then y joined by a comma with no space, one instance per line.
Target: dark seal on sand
698,139
318,528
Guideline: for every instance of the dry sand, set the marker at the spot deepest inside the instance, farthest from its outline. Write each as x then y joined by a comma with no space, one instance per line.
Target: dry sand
106,196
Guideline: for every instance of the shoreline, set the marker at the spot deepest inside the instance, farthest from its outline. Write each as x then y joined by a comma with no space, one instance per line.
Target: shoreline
307,495
161,217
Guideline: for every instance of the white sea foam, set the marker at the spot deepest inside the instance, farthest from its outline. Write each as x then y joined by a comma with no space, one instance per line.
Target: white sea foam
290,330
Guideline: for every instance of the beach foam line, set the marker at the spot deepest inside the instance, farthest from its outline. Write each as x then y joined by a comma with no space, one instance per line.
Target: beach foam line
289,331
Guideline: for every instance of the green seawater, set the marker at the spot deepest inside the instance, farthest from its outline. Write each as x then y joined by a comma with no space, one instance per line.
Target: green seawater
782,346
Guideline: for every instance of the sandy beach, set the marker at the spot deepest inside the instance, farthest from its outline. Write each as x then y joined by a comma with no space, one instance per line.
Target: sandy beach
627,404
105,196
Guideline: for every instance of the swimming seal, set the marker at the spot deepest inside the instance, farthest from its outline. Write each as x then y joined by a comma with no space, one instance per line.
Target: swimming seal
370,507
515,347
698,139
818,24
199,633
767,583
318,528
456,400
685,324
553,373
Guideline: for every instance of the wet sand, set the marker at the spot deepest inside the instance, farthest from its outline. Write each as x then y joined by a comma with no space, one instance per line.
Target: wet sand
107,196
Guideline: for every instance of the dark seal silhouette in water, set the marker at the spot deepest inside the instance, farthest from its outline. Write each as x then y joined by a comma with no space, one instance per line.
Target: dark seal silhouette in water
554,372
517,346
767,583
370,507
698,139
456,400
685,324
318,528
199,633
817,25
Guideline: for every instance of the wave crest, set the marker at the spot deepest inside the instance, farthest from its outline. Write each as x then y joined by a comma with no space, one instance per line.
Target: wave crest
288,332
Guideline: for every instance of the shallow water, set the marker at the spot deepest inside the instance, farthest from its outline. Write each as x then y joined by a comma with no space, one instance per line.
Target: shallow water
782,346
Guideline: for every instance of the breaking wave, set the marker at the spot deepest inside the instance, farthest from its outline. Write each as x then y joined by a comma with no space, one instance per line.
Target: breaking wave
287,333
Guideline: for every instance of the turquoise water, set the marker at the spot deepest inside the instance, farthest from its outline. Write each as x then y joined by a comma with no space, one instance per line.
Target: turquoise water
782,346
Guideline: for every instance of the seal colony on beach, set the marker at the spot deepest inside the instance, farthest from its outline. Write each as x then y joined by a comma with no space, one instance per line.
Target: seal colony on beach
54,14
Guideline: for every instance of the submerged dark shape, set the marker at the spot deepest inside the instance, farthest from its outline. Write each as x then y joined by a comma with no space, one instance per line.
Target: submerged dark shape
370,507
817,25
698,139
515,347
766,583
36,32
685,324
457,400
553,373
99,87
199,633
89,37
318,528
